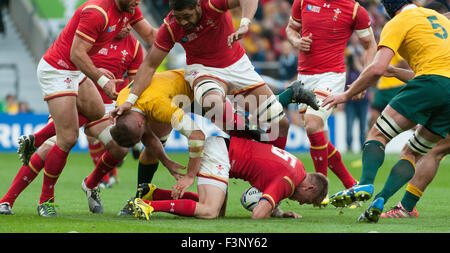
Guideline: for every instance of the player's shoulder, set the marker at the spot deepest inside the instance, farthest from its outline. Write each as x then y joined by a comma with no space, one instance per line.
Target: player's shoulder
104,5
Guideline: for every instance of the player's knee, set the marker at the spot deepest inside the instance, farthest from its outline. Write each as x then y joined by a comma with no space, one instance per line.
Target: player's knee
270,112
387,126
314,125
209,93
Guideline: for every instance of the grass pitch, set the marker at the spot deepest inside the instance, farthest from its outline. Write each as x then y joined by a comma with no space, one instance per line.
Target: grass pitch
74,215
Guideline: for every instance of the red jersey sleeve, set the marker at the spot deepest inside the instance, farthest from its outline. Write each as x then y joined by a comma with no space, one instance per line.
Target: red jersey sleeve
297,10
137,16
137,60
92,23
362,19
278,190
165,38
218,5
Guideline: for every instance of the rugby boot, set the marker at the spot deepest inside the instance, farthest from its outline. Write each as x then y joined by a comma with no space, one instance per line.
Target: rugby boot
5,208
145,191
355,193
93,196
373,212
47,209
26,148
399,211
142,210
301,95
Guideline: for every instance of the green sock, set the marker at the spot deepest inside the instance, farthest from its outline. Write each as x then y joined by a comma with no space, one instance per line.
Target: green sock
411,197
146,172
400,174
285,97
372,159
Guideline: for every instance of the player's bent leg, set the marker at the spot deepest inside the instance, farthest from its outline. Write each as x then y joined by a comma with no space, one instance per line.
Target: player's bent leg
211,200
89,101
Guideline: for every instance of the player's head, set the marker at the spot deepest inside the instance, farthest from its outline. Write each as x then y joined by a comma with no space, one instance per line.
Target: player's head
392,6
128,129
128,5
312,190
187,13
126,29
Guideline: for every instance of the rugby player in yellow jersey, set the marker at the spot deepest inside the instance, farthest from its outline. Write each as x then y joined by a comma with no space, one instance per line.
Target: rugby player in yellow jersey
421,37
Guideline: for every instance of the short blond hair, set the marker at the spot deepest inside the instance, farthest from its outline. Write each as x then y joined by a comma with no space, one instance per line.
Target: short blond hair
321,183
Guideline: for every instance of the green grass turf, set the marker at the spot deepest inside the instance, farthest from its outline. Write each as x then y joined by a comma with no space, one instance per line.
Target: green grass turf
74,214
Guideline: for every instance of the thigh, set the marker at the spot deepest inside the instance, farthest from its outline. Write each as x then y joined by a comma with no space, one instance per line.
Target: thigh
211,200
89,101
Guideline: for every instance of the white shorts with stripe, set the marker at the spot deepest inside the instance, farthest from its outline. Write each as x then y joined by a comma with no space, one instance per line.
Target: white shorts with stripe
322,85
239,77
57,82
215,166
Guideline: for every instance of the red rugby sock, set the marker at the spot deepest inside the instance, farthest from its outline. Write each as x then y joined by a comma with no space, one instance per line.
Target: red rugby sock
163,194
337,166
54,165
182,207
318,151
104,165
26,174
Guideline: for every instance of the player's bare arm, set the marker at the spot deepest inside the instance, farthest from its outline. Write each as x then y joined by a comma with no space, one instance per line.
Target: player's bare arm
249,8
263,210
142,79
367,77
79,56
145,31
293,30
151,140
402,74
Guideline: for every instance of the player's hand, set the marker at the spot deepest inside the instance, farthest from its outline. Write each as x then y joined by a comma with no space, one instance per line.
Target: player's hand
237,35
107,73
291,214
181,186
304,43
110,88
174,169
335,99
359,95
119,111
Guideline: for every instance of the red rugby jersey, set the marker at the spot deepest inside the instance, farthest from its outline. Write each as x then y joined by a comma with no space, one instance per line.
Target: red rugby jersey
119,56
331,24
97,22
207,43
273,171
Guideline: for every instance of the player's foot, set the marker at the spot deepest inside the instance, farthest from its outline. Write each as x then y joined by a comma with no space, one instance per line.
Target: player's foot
128,209
5,208
373,212
26,148
302,96
355,193
399,211
93,196
145,191
142,210
47,209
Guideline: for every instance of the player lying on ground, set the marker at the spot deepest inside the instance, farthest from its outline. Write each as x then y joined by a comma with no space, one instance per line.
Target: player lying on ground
277,173
423,101
161,104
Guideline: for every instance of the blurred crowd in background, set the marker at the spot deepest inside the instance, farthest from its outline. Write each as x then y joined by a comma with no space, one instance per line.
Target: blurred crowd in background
273,56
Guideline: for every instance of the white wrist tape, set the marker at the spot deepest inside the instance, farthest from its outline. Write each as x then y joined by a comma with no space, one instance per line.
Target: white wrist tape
245,21
102,81
132,98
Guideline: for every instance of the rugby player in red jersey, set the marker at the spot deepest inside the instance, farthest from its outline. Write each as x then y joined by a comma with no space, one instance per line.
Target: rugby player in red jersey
64,65
216,66
275,172
321,29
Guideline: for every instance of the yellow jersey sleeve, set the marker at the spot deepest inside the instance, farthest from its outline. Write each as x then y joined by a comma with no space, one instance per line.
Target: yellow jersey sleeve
421,37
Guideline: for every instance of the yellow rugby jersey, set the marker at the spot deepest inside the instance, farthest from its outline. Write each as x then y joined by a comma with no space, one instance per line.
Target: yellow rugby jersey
391,82
156,100
421,37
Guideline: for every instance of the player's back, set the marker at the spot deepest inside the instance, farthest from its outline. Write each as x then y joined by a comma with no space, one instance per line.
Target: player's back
260,163
421,37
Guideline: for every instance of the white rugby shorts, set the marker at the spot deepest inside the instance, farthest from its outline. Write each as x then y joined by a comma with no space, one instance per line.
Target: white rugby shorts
57,82
239,77
322,85
215,166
